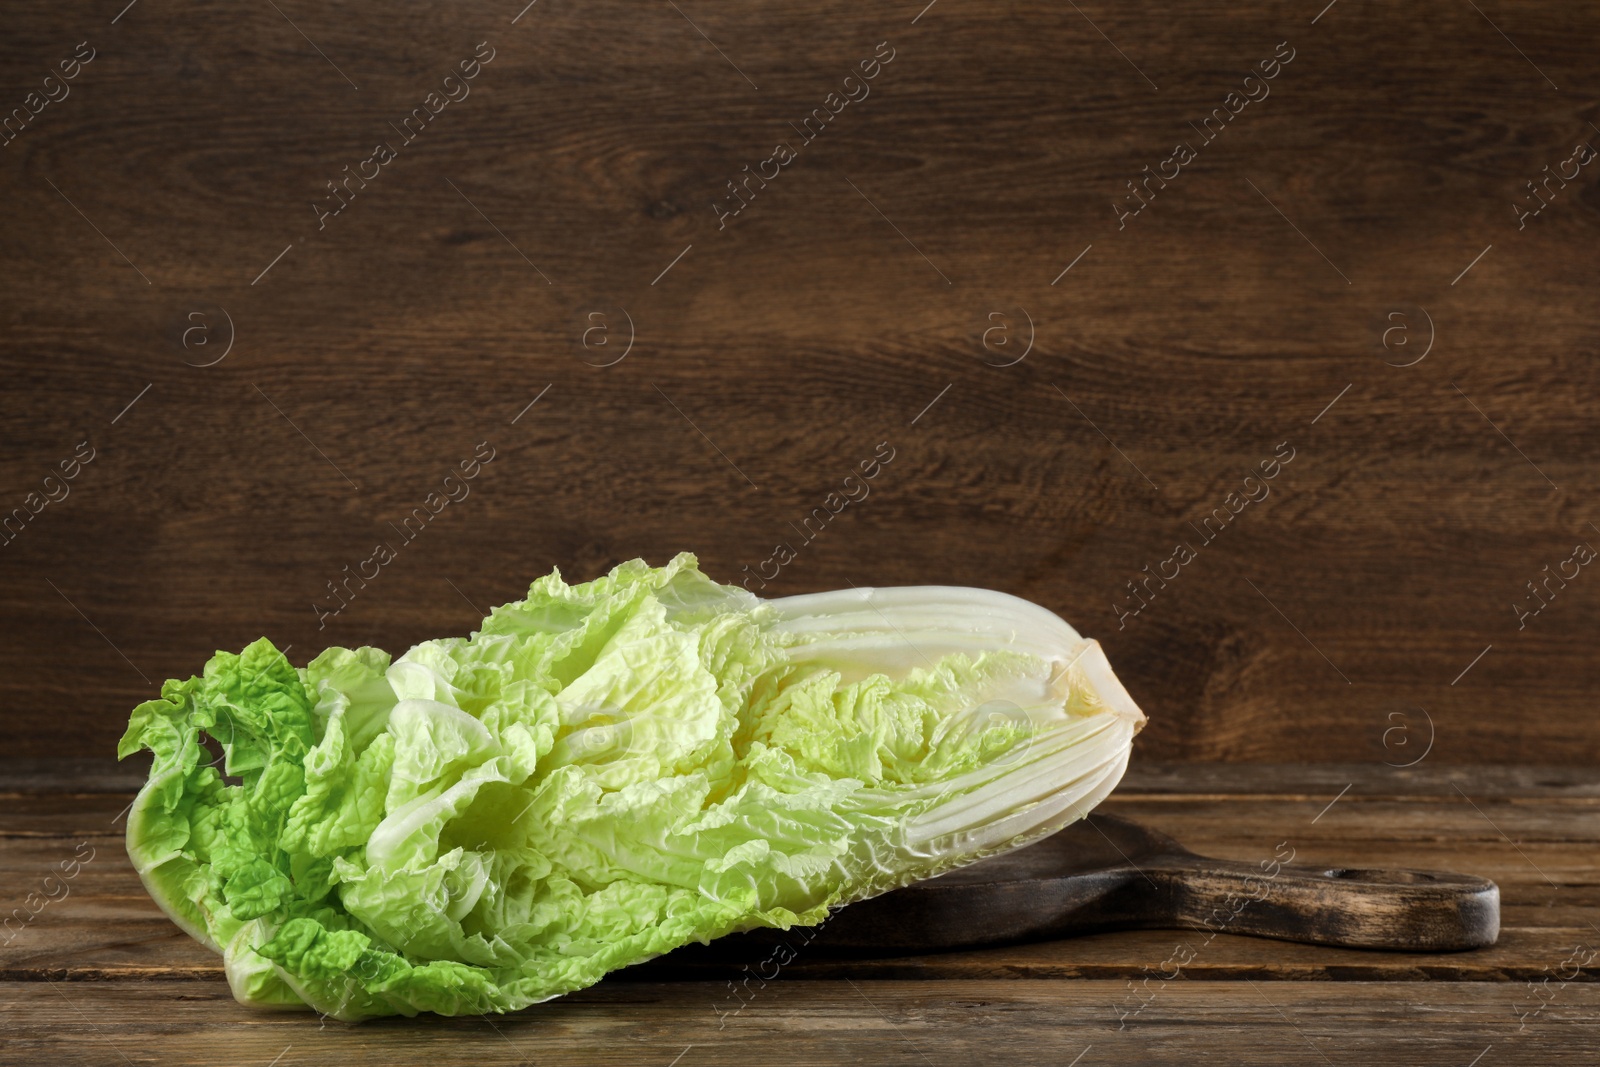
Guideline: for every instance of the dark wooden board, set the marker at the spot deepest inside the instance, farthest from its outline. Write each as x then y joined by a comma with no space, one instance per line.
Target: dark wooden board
848,297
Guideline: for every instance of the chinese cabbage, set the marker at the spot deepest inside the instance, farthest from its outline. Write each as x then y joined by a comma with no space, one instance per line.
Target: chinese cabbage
602,773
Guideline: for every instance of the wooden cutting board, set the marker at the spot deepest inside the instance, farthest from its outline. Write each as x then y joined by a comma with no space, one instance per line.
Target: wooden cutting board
1108,873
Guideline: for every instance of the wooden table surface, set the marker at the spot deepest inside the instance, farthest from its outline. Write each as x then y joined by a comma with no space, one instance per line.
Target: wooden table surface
101,975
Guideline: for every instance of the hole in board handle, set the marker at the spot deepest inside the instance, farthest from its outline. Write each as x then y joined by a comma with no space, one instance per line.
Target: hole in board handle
1361,874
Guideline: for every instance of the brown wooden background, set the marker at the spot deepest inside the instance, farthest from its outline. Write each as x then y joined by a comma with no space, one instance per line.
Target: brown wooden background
1198,338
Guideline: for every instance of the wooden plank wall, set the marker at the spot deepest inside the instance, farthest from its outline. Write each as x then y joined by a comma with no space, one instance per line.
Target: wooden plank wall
883,286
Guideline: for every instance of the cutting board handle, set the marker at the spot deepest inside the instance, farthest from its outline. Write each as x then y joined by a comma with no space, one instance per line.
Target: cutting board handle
1402,910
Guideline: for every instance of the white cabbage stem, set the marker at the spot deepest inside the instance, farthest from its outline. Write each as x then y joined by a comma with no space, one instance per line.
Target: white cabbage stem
1082,720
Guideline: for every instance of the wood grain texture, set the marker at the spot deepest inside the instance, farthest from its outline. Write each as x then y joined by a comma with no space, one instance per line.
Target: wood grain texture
804,1023
1539,847
101,974
824,319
